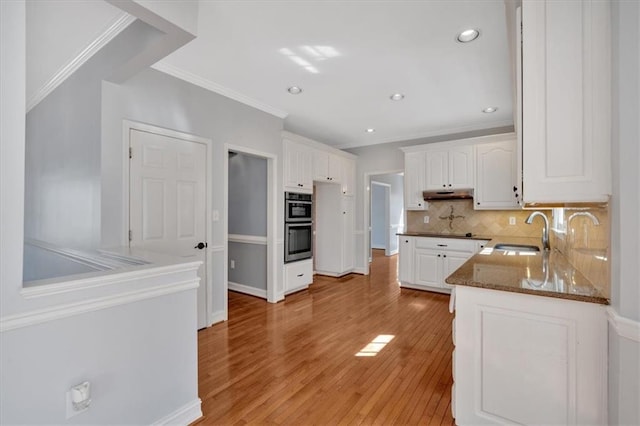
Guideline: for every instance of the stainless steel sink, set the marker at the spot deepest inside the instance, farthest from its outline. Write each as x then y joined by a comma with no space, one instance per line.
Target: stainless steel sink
515,247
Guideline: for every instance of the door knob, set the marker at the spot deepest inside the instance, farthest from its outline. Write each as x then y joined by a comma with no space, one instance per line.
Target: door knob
201,245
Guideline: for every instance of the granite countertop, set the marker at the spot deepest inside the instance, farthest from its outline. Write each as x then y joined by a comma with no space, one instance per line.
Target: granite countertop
543,274
433,235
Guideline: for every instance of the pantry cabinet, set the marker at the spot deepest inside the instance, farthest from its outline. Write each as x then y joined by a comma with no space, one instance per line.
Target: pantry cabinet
449,169
496,176
327,167
566,100
297,167
348,177
334,237
527,359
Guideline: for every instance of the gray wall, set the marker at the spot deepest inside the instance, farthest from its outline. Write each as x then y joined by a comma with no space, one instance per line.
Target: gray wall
62,166
624,353
247,195
161,100
248,216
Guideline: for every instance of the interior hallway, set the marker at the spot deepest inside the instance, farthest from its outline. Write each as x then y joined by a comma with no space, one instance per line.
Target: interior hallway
295,362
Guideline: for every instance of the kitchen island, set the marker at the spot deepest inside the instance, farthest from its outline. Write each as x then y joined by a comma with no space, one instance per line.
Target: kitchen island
530,335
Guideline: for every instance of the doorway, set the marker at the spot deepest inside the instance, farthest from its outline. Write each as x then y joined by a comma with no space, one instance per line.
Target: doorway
169,199
380,217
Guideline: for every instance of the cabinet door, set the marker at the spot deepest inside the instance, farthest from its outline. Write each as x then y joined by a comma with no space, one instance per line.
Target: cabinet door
290,166
320,165
348,177
405,259
414,180
305,167
566,106
460,170
436,170
335,168
428,268
496,176
450,262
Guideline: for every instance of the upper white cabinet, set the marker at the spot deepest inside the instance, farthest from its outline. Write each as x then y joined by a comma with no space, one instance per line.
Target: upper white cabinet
297,167
566,105
327,167
348,176
497,184
449,169
414,167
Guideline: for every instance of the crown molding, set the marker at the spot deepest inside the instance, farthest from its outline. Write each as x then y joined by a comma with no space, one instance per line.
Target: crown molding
116,27
217,88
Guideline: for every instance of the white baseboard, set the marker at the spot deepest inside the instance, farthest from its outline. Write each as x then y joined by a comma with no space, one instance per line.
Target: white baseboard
625,327
184,415
217,317
392,252
252,291
360,271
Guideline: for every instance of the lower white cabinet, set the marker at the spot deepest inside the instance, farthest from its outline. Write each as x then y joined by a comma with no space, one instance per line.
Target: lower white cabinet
526,359
298,275
425,262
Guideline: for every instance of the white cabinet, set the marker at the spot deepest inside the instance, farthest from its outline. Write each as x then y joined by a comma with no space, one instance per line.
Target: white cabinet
449,169
297,167
525,359
566,105
334,242
426,262
297,275
496,176
348,176
414,164
327,167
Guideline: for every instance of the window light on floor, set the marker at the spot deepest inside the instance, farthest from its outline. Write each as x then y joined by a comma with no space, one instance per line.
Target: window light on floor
376,345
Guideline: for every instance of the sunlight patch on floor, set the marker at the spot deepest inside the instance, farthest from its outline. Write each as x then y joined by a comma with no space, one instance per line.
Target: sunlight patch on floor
376,345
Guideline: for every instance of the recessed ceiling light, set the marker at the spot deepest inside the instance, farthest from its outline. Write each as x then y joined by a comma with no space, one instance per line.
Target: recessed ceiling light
294,90
370,130
468,35
397,97
489,110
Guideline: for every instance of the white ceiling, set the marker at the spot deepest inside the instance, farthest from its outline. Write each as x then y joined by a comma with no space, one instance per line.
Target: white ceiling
349,57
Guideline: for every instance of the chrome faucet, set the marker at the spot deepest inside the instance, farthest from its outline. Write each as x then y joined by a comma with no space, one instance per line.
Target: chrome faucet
545,230
594,219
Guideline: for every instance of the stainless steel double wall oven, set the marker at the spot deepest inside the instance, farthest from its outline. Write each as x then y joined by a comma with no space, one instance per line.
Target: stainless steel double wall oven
297,226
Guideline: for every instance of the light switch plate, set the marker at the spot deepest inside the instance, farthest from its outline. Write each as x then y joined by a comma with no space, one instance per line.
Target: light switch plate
512,220
426,219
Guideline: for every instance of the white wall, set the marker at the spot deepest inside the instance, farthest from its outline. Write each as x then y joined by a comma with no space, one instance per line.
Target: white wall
624,344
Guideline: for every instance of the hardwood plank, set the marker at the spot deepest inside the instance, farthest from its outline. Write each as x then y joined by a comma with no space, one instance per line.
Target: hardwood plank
295,362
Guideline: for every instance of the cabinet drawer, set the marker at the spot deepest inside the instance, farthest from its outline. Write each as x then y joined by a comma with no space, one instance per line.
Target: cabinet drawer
448,244
298,274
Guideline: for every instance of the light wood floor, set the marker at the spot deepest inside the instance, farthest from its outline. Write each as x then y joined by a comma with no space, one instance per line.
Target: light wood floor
295,362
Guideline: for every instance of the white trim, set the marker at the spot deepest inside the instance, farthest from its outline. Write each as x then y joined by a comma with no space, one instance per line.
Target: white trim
386,185
184,415
360,271
247,239
100,279
216,249
393,252
358,232
625,327
218,316
217,88
293,137
366,201
116,27
26,319
127,126
245,289
477,140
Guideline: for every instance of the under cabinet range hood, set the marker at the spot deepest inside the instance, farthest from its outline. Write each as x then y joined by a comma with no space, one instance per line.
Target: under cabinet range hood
448,194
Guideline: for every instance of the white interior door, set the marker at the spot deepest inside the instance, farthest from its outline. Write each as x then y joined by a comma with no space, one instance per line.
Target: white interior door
167,200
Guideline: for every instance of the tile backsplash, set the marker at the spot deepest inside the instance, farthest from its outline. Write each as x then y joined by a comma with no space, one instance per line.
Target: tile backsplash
481,222
585,244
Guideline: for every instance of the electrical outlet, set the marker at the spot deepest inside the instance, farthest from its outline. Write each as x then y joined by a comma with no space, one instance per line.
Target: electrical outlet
232,264
78,399
512,220
426,219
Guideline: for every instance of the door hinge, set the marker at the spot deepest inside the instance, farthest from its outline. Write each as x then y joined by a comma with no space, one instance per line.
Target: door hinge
130,152
130,235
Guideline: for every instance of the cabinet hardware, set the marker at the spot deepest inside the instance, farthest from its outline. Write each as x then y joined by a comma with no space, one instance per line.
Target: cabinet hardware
438,255
443,245
300,275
